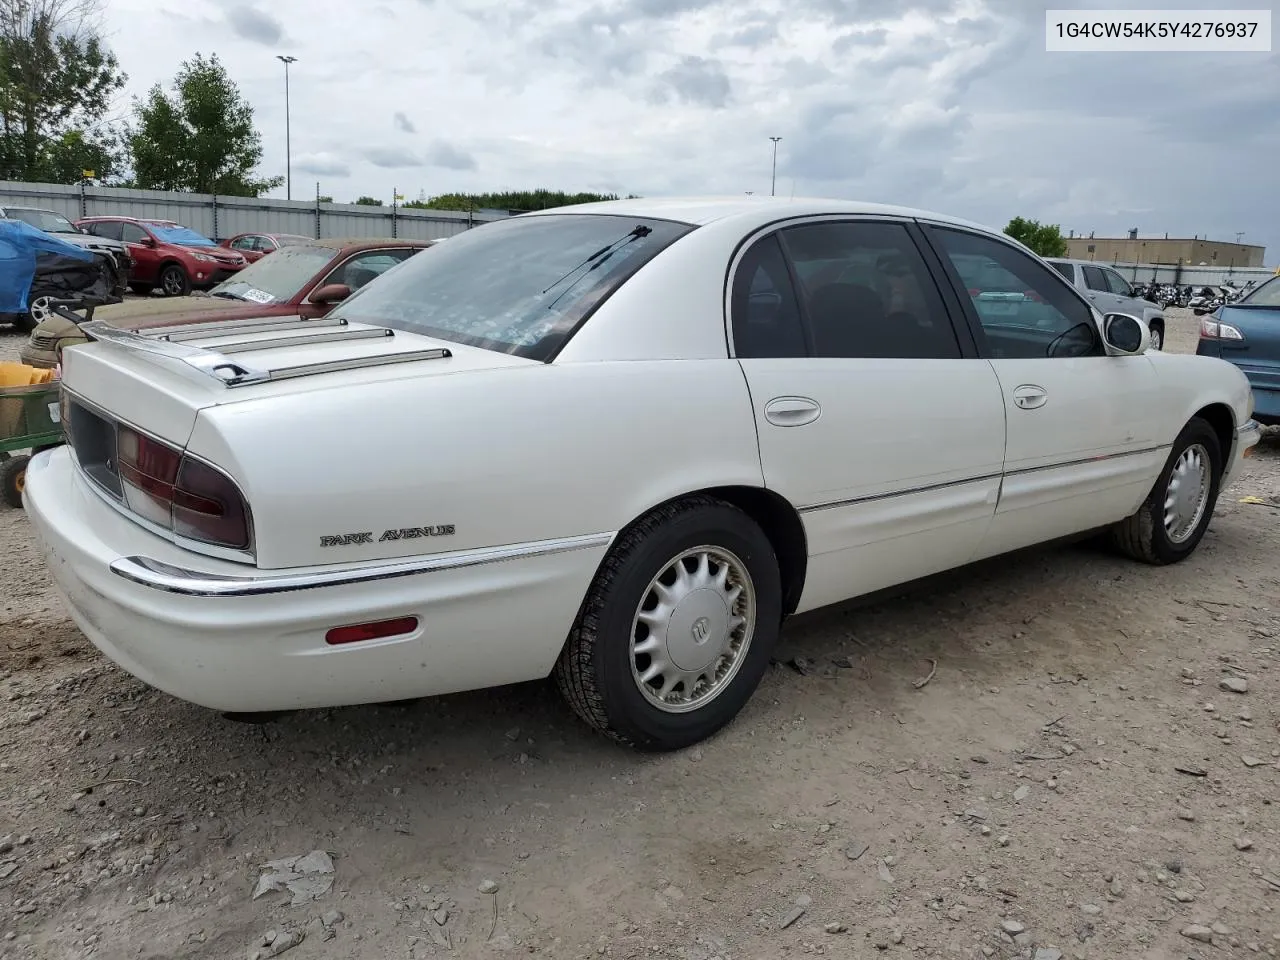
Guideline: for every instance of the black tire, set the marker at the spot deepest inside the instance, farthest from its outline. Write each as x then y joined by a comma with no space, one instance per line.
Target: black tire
594,672
174,281
1157,336
141,289
22,322
1143,536
13,477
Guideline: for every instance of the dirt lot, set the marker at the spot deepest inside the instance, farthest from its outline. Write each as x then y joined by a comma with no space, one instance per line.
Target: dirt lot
1074,781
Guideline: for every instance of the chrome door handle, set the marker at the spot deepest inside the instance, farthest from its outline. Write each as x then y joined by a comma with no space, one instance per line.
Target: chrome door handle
1029,396
792,411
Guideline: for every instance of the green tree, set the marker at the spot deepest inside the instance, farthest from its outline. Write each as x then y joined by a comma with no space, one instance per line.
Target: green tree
1044,238
368,201
199,138
57,82
540,199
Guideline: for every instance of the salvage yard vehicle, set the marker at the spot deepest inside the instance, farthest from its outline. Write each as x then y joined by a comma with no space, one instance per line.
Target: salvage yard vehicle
1112,293
114,254
305,280
617,443
254,246
166,254
1247,334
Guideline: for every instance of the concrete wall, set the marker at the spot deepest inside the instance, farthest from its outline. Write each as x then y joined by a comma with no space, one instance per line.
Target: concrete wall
221,217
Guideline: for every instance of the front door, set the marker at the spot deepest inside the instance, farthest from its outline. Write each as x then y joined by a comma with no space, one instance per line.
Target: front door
1083,447
872,418
141,247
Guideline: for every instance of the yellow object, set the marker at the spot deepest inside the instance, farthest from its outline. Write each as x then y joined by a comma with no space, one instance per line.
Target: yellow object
21,375
11,409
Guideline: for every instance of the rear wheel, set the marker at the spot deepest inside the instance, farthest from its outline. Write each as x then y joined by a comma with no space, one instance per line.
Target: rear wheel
13,478
174,281
678,627
1172,520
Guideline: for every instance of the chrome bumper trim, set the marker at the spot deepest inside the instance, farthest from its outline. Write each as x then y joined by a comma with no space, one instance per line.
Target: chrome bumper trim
194,583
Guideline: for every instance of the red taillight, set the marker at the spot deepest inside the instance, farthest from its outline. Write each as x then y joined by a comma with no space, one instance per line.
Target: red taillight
1033,296
175,491
379,630
975,292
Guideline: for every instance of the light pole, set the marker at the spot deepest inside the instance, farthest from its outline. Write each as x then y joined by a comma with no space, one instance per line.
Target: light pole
773,181
288,147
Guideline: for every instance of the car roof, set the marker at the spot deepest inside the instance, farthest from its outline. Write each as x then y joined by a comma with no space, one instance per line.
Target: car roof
362,243
113,216
751,210
1083,263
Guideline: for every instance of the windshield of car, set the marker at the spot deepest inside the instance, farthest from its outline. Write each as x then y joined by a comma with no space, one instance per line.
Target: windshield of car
277,278
520,286
182,236
45,220
1267,295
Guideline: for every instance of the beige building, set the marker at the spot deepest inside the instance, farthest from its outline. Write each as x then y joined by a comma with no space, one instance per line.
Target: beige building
1190,253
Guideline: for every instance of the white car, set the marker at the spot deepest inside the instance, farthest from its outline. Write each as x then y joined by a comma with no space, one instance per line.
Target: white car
617,443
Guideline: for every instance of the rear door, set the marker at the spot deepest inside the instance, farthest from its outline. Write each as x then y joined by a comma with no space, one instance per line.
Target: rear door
1083,447
874,415
1096,289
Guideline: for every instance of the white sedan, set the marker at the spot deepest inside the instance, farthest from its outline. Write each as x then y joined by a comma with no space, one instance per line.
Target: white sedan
617,443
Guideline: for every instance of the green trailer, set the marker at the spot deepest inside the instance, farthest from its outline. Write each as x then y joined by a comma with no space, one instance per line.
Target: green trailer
30,420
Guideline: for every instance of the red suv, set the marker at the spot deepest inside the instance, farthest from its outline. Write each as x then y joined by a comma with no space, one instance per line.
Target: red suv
166,254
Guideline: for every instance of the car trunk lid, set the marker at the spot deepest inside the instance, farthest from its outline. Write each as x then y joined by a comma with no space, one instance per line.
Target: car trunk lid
159,380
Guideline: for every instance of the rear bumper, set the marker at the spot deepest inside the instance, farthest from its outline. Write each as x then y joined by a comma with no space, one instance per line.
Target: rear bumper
233,638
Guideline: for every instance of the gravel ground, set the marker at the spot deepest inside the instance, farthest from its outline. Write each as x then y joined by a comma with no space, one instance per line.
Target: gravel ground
1081,777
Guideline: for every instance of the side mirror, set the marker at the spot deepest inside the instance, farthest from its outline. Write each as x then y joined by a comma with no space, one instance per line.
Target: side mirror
1125,334
331,293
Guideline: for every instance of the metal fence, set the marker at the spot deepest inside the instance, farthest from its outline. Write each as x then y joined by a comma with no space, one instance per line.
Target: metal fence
221,217
1186,276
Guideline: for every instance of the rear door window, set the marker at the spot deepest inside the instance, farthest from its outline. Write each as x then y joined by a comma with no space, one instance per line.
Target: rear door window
1093,279
866,293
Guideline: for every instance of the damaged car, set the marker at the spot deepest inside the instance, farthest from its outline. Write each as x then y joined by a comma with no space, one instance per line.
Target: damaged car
617,444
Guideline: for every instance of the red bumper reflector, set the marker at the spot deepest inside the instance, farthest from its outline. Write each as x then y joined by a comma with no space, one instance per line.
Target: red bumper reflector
378,630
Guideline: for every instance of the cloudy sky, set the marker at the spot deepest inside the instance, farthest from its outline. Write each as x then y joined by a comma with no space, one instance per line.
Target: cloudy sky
950,105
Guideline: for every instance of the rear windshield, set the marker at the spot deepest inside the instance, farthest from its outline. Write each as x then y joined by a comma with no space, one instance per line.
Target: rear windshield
1267,295
519,286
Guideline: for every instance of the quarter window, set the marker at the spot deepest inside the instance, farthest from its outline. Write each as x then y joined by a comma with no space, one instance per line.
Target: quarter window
1066,269
866,292
1025,310
766,318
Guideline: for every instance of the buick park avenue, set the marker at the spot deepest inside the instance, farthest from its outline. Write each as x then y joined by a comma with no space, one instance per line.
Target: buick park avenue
617,444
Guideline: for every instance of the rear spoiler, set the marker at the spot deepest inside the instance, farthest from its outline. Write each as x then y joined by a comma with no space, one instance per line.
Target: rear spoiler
236,337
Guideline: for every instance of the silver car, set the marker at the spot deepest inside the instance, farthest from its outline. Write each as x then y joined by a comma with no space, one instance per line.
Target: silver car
1111,293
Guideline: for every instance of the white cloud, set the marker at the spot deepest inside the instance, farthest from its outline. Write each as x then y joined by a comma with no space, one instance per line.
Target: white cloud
947,104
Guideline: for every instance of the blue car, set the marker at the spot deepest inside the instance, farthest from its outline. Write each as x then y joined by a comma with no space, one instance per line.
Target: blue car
1247,333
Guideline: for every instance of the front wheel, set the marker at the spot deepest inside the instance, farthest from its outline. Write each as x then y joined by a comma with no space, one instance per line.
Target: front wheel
677,629
1172,520
174,281
1157,337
